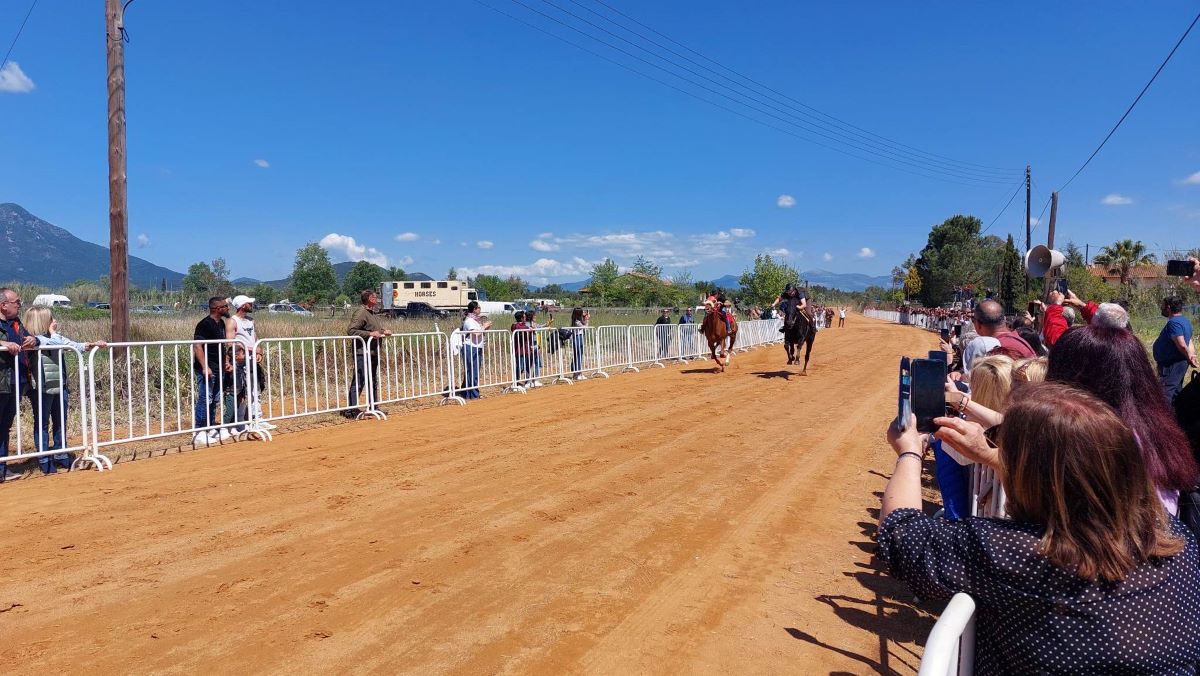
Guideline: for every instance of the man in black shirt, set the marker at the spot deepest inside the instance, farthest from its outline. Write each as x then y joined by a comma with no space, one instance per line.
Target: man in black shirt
209,363
662,333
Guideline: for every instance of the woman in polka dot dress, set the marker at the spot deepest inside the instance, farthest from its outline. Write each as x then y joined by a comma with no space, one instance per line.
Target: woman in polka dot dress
1091,575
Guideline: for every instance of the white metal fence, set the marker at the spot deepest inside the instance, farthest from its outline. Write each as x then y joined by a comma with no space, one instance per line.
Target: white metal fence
213,392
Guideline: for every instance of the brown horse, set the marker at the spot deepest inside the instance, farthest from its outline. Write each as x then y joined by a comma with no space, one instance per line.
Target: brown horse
715,331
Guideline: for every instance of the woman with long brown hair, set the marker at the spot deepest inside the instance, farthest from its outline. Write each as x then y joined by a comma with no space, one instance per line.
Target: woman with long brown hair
1090,575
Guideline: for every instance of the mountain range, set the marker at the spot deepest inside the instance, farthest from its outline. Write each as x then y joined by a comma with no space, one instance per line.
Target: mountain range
37,252
832,280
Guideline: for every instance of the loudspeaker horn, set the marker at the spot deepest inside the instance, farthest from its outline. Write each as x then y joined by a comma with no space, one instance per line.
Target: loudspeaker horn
1041,260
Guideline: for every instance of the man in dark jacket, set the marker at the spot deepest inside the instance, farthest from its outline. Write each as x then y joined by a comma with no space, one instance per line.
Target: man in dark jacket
13,358
365,324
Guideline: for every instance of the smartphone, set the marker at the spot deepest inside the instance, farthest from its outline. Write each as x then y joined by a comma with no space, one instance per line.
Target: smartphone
958,330
1032,308
1062,286
945,335
904,403
1181,268
939,356
928,384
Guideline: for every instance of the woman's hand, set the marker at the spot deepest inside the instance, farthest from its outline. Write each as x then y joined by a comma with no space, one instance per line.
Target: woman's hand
907,440
968,439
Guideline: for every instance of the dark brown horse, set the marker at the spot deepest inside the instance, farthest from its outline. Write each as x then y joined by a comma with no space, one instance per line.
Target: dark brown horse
801,330
715,331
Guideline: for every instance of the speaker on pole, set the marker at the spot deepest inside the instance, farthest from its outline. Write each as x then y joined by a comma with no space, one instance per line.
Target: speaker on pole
1041,260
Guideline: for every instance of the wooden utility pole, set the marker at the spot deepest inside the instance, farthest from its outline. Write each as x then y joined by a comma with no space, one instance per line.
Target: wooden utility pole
1050,240
1028,222
118,214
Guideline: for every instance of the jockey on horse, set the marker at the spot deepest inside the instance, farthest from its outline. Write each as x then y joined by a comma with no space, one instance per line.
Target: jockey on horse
798,328
717,304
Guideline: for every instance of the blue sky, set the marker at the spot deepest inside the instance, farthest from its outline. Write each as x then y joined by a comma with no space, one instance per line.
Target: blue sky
431,135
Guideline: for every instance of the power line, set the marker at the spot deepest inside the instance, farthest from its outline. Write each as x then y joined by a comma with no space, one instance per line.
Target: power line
7,54
836,125
887,161
1020,184
1135,102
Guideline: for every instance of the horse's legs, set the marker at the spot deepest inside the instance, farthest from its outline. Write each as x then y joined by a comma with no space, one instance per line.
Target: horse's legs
808,350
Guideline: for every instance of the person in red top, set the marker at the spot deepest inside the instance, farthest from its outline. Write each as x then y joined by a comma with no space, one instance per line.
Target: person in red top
1054,324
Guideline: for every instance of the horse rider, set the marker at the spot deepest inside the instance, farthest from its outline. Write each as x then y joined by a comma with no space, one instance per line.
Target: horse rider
794,295
716,302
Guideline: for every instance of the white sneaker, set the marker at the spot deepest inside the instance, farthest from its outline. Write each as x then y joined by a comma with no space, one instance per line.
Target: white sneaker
536,383
580,377
264,425
224,434
202,439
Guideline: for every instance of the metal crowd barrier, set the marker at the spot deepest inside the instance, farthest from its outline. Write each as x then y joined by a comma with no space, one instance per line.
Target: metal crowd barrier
306,376
950,648
413,366
149,390
55,433
140,391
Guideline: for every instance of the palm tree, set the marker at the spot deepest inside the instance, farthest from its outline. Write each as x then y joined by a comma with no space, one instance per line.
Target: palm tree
1121,257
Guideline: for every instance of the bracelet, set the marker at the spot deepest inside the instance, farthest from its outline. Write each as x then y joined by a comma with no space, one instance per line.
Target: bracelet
962,404
918,456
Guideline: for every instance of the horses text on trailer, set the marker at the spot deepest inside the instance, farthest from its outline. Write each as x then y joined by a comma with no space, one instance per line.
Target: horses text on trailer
451,294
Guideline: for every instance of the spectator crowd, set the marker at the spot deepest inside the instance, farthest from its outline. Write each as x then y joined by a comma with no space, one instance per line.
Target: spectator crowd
1067,464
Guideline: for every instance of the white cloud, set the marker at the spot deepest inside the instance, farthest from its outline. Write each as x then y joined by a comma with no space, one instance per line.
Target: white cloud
484,244
352,250
826,256
407,260
543,245
435,242
785,202
13,80
263,164
539,271
1194,179
866,252
1116,199
1034,220
143,241
545,235
407,237
741,232
782,252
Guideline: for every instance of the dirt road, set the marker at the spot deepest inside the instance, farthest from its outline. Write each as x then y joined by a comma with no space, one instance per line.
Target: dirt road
661,522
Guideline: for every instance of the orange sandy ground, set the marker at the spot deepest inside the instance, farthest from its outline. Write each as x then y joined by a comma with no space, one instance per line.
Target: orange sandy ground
675,521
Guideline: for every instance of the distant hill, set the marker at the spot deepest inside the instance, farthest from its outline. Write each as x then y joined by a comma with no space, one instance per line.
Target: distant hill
844,281
37,252
727,282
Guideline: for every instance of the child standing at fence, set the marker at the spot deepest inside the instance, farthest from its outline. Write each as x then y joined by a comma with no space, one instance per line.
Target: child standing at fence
579,320
52,392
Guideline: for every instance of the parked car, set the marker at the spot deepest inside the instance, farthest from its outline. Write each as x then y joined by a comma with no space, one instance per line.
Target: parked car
289,308
97,305
420,311
53,300
150,310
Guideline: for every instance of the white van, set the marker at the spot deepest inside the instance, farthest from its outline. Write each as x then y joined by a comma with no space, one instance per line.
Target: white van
52,300
491,307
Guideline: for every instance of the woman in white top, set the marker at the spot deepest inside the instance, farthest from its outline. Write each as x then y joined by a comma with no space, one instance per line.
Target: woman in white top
473,328
579,319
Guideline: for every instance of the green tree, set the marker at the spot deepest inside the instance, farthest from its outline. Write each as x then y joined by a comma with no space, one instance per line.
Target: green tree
1121,257
912,283
364,275
1011,276
264,294
313,278
199,283
604,279
397,274
551,290
953,256
220,275
762,284
452,274
492,286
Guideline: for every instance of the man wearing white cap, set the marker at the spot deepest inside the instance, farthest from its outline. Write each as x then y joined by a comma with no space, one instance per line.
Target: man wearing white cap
244,333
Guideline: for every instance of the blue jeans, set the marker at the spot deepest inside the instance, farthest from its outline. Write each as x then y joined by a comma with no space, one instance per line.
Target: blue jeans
954,481
576,353
1171,378
535,364
52,413
472,359
522,365
208,395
